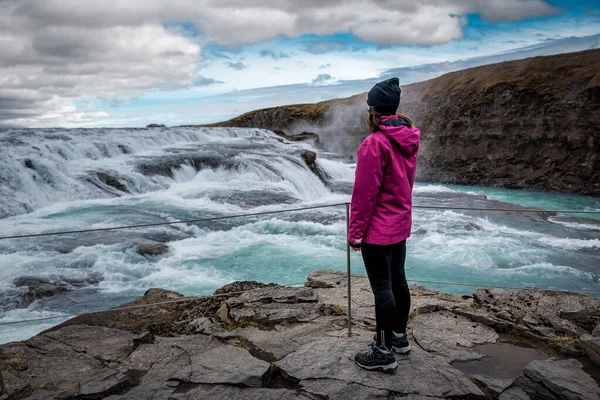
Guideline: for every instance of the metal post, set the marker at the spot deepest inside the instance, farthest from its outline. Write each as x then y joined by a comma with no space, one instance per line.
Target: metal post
349,270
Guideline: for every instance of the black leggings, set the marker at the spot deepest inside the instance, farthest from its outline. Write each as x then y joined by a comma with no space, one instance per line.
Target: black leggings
385,267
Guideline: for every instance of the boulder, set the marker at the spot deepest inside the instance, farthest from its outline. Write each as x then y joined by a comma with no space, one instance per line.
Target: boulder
310,159
111,181
152,249
557,379
30,289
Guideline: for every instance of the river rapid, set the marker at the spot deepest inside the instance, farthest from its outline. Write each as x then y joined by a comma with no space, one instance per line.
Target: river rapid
62,180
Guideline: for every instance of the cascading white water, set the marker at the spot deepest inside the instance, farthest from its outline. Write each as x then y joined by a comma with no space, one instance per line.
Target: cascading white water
49,182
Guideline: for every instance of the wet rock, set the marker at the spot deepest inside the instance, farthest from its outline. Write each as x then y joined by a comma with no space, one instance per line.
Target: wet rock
557,379
341,187
450,336
164,165
28,163
596,331
514,394
38,288
491,385
111,181
152,249
30,289
310,159
298,137
332,358
155,126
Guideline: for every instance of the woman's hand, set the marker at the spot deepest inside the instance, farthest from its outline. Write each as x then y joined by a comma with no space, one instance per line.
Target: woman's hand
354,246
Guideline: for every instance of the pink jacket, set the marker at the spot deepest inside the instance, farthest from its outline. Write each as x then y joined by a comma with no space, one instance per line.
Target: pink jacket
381,209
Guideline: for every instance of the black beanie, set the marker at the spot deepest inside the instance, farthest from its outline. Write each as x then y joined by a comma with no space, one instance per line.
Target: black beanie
384,97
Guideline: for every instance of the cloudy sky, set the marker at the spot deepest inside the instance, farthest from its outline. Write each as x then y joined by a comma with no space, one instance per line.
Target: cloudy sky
86,63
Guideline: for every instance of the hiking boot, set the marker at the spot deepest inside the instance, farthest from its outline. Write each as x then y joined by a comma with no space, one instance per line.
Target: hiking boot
376,359
400,345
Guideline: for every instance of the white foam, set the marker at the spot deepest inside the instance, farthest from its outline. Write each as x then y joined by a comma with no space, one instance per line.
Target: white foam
568,243
576,225
432,189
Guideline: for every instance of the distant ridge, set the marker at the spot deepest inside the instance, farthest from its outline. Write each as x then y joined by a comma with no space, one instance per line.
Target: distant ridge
526,124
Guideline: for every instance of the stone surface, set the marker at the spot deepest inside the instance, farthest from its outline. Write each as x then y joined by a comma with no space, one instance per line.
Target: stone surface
332,358
450,336
214,392
63,371
332,389
514,394
183,349
278,342
596,331
558,379
491,385
199,359
223,313
591,345
101,343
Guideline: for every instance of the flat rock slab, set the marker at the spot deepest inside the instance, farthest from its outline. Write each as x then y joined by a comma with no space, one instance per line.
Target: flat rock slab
198,359
333,358
103,343
63,371
217,392
277,294
492,385
282,340
451,336
514,394
332,389
558,379
591,345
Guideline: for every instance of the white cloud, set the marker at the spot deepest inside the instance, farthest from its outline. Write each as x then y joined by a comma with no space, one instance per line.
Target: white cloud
53,52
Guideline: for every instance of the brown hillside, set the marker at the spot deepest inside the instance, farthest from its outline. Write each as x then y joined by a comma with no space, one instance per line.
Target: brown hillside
527,124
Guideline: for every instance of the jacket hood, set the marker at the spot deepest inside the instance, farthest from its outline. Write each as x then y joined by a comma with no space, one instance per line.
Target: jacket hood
400,132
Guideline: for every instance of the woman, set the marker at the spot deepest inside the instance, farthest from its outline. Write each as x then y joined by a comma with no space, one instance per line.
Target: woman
380,219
